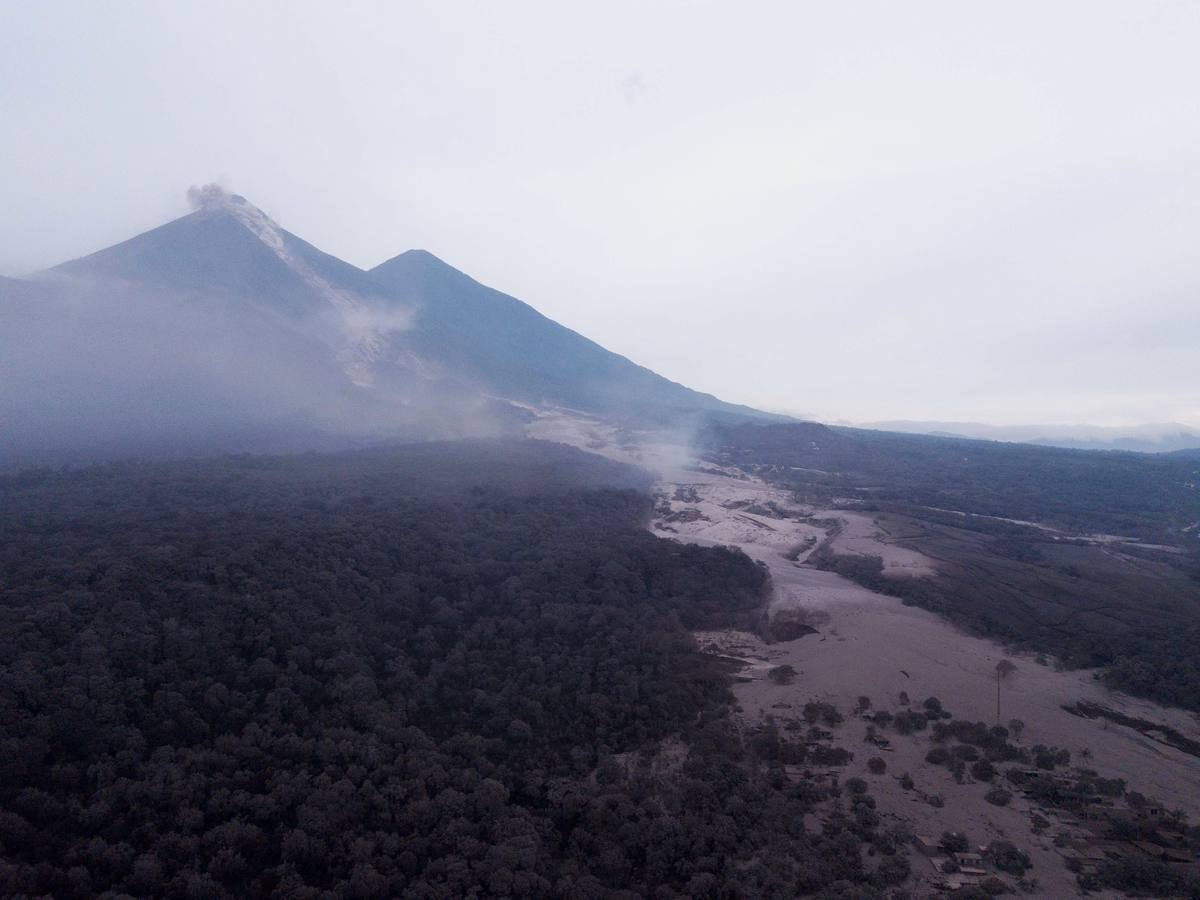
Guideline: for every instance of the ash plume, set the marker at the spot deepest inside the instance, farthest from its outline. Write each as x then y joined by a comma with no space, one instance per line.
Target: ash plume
207,196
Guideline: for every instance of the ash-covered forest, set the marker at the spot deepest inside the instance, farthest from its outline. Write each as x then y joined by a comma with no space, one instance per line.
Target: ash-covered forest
1023,537
1150,497
436,671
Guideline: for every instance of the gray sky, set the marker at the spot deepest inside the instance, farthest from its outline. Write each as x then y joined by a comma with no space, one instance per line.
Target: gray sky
863,211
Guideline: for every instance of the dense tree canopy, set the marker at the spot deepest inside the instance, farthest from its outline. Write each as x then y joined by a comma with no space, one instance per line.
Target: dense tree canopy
441,671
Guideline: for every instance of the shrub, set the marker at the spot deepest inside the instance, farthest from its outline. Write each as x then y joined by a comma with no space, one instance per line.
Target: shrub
866,818
893,870
829,756
938,756
908,721
876,765
970,892
994,886
1007,858
826,713
1049,757
784,674
983,770
998,796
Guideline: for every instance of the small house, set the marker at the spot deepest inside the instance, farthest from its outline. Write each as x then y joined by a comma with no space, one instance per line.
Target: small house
925,843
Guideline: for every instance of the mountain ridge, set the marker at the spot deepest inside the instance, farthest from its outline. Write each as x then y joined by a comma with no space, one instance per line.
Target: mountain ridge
1163,437
462,327
221,320
483,327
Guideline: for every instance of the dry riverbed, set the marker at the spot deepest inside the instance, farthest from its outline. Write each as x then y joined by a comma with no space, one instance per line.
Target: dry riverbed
866,644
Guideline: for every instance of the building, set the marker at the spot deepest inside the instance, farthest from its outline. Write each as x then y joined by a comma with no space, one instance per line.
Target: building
926,843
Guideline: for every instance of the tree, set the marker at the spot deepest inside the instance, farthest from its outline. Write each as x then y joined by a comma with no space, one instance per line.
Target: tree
983,770
998,796
893,869
1015,727
994,886
938,756
380,674
876,765
1004,669
955,842
1007,858
907,721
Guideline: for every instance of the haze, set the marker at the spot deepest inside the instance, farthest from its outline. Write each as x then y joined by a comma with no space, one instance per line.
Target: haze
933,211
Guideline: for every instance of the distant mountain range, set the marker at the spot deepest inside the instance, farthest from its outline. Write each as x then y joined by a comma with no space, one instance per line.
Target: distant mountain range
222,328
1151,438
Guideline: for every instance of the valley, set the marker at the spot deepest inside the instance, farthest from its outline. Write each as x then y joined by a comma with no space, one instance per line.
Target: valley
871,645
858,643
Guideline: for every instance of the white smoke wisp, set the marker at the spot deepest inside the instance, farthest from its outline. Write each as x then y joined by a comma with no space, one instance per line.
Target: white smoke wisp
211,197
366,327
369,329
367,320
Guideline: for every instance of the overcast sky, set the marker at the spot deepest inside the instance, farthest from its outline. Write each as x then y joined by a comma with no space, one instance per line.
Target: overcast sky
861,211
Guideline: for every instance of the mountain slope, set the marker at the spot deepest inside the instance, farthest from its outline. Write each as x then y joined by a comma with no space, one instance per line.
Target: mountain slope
221,323
521,354
210,253
412,319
